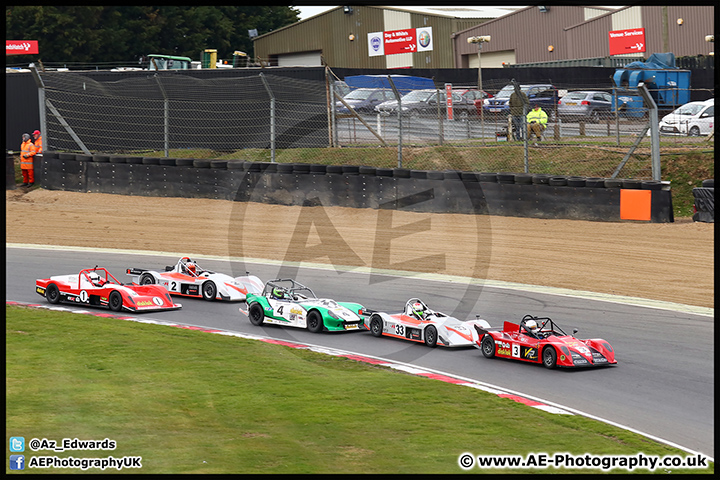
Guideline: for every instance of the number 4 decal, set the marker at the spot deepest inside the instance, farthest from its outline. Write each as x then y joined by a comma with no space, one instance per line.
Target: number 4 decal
279,310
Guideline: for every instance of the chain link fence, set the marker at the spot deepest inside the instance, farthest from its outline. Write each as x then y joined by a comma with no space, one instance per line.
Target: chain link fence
278,119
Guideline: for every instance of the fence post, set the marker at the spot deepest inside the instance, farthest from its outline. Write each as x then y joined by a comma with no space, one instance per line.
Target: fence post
166,118
399,110
654,134
41,105
272,117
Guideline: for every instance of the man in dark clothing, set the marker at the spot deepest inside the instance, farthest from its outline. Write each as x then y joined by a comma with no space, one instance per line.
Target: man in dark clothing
517,112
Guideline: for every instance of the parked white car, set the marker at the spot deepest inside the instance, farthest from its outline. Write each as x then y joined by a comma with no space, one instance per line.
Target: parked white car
693,119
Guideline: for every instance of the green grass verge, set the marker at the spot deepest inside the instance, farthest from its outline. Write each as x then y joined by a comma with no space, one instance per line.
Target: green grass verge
192,402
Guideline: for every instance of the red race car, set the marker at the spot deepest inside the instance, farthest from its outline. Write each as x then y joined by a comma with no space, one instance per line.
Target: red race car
97,287
540,340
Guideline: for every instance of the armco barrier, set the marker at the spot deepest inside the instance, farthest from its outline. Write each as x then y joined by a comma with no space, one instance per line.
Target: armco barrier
502,193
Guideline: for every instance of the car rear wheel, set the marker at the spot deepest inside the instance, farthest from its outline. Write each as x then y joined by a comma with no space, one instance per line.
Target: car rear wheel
115,302
209,290
147,279
488,346
52,293
549,357
431,336
256,314
376,326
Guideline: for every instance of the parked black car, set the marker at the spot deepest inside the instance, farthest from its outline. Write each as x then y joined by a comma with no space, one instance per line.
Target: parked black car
543,94
364,100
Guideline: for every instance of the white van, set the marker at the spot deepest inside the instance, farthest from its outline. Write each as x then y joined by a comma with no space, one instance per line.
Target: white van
693,119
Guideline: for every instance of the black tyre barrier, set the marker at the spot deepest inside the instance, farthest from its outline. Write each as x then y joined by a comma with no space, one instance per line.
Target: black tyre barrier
595,182
66,156
271,167
541,179
576,181
101,158
651,185
401,172
435,175
252,166
451,175
9,172
301,168
51,155
613,183
84,158
117,159
504,177
631,184
334,169
704,204
221,164
523,179
201,163
151,161
240,164
708,183
284,167
558,181
365,170
350,170
383,172
134,160
184,162
317,168
469,177
418,173
487,177
167,162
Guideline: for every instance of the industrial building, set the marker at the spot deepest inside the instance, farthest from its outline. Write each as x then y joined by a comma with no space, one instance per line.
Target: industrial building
546,35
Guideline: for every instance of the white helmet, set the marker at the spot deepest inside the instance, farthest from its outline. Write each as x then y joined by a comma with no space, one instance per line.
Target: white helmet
531,325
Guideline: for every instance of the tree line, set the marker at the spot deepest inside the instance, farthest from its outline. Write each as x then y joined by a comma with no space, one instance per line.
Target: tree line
98,34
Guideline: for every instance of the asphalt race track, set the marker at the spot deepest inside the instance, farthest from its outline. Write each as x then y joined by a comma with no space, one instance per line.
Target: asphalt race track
663,384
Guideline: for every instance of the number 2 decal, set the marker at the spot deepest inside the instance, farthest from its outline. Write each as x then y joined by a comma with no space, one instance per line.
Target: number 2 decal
173,286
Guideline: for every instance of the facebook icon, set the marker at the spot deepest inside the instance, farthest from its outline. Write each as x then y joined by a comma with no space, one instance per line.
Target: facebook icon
17,462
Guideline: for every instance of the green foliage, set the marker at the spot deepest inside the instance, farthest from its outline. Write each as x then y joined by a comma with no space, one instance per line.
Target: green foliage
102,34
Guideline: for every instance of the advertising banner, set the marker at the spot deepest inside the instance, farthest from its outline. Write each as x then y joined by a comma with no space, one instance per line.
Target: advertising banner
21,47
392,42
626,41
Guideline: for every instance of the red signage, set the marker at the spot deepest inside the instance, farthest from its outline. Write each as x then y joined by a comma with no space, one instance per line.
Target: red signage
400,41
21,47
449,101
627,41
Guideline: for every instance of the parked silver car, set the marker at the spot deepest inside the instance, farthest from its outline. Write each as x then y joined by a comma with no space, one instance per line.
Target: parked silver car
585,105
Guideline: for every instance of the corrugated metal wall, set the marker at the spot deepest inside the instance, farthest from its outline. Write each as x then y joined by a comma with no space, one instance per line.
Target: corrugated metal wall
329,33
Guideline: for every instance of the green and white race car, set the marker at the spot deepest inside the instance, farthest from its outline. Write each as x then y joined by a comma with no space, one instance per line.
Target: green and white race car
287,302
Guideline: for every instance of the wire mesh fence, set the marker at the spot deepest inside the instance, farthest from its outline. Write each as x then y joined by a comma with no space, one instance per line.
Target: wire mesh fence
278,119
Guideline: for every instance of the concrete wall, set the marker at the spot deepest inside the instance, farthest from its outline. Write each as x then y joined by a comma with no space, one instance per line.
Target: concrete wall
507,194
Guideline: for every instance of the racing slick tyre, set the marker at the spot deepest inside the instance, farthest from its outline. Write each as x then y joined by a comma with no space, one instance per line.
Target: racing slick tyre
256,314
52,293
314,322
431,336
209,290
549,357
488,346
147,279
376,326
115,302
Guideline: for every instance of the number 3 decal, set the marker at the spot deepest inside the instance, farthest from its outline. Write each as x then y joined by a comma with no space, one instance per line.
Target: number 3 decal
515,350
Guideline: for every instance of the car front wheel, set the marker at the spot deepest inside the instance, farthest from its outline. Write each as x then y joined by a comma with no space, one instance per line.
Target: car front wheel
115,302
488,346
256,314
376,326
549,357
431,336
209,290
314,322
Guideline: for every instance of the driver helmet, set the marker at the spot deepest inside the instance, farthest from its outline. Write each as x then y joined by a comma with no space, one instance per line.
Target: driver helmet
278,293
192,267
532,327
95,278
418,309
